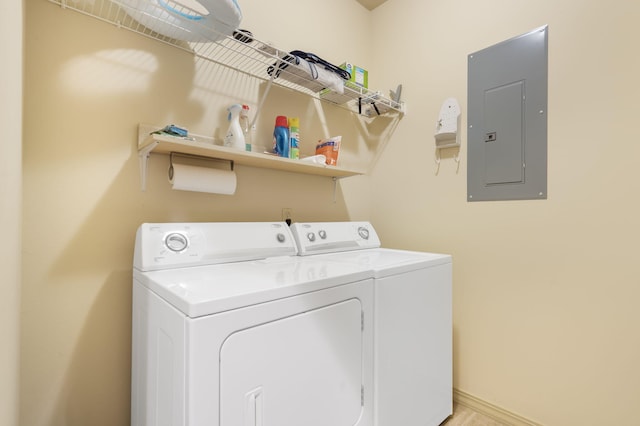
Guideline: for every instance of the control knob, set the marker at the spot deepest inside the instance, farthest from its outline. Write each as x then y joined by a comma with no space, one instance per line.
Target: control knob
363,232
176,242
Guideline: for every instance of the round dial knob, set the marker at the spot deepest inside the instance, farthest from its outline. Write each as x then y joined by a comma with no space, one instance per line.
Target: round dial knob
363,232
311,236
176,242
322,234
281,238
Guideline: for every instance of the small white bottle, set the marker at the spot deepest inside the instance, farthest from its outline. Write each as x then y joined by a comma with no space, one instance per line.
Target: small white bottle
235,136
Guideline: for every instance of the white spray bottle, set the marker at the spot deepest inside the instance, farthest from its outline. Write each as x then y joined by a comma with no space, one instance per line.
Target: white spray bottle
235,136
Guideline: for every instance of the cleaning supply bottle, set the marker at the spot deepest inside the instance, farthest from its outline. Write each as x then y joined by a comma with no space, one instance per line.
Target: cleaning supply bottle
234,137
281,136
245,124
294,135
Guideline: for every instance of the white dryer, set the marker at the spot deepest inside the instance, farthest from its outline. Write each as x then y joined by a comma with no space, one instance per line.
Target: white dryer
231,328
412,319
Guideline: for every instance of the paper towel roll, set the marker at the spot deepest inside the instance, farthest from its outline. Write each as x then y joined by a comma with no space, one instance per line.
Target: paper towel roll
202,179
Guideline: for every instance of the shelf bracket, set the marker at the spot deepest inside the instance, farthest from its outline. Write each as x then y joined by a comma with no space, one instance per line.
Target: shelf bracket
276,66
143,157
335,188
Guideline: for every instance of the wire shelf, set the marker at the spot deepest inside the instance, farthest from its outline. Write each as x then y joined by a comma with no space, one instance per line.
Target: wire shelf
212,40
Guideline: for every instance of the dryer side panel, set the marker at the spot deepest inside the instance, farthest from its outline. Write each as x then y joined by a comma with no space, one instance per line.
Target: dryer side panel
158,361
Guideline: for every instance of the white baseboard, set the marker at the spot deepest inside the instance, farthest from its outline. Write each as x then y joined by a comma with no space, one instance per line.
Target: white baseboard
491,410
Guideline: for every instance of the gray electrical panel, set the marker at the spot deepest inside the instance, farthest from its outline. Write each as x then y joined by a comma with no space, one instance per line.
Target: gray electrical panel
507,119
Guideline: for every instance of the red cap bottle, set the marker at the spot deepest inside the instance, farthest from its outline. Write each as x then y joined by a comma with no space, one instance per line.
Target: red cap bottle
281,136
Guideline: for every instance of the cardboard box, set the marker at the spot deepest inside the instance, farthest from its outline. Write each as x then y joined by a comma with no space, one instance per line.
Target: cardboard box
359,76
359,80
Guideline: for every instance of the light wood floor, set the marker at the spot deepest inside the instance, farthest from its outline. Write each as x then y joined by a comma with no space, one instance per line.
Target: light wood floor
464,416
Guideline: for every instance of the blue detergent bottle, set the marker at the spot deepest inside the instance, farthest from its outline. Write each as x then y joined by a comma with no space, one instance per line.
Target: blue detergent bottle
281,136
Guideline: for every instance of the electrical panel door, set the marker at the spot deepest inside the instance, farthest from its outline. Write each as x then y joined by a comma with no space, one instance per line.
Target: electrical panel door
507,137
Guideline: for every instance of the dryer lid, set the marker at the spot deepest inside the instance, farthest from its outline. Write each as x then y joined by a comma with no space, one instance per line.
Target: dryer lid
206,290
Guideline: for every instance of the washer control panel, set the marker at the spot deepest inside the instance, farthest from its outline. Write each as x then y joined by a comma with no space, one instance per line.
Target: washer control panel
330,237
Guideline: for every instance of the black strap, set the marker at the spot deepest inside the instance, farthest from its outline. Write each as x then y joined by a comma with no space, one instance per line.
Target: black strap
295,56
315,59
284,63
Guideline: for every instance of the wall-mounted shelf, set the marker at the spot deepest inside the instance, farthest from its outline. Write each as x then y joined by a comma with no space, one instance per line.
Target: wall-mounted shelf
205,147
249,55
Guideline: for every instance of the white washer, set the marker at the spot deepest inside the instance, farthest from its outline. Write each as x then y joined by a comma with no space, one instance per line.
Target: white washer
412,319
231,328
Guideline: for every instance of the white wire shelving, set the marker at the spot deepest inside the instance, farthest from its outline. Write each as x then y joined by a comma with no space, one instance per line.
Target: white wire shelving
177,25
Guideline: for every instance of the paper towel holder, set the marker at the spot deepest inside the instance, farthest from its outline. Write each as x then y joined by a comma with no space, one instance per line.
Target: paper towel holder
197,157
197,173
193,156
173,154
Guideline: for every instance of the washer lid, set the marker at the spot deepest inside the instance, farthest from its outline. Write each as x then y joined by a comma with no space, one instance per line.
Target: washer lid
205,290
384,262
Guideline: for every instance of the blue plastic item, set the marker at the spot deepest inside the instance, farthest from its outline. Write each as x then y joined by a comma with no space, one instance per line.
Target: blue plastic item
281,136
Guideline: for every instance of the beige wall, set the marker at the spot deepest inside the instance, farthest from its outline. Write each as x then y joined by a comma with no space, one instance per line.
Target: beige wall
545,292
88,85
10,206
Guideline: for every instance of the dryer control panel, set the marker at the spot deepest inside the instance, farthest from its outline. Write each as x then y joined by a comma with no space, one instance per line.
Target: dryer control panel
332,237
175,245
